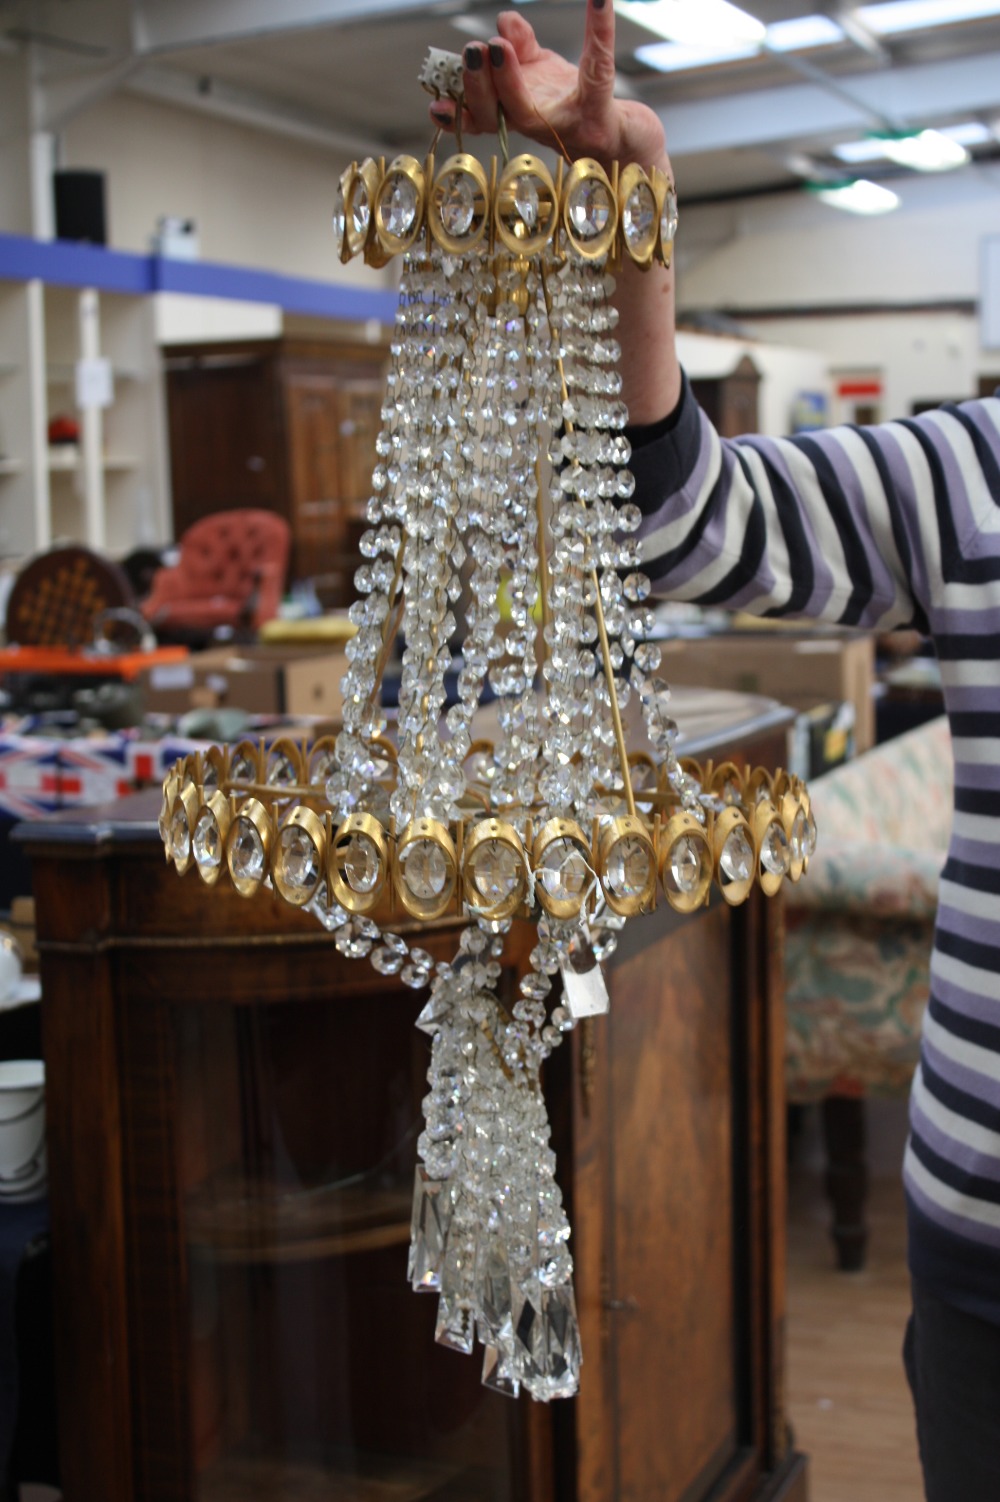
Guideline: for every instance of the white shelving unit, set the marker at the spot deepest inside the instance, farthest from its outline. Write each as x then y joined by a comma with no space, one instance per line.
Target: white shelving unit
110,489
24,484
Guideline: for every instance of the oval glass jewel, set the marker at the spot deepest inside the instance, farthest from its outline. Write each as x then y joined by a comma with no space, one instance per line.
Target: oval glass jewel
496,871
639,217
457,203
300,863
668,218
424,868
208,842
686,867
399,205
359,863
563,871
246,860
736,860
628,868
589,208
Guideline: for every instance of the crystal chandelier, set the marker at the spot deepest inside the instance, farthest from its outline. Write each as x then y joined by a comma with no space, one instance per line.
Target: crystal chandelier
501,470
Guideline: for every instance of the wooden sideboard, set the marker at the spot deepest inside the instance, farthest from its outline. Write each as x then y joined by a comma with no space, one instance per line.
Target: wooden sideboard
233,1111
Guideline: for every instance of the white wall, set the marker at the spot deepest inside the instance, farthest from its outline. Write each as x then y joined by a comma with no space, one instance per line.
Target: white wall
786,373
791,251
258,199
918,357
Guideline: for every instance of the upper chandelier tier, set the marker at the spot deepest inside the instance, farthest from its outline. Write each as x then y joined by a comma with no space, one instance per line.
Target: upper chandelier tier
518,207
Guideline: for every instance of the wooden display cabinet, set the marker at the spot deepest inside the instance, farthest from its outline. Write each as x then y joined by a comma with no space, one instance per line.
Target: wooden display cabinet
233,1113
289,425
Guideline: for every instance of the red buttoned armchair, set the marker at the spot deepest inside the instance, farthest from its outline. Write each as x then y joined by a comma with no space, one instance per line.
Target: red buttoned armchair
229,577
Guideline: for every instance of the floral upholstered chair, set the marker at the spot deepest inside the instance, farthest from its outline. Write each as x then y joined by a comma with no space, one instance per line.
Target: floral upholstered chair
859,934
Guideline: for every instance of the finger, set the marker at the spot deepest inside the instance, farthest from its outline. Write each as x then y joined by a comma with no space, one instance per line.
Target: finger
442,113
513,28
511,88
480,93
597,60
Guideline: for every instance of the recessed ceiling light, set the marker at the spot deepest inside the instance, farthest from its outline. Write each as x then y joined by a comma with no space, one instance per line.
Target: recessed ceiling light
802,33
919,15
857,197
714,24
945,146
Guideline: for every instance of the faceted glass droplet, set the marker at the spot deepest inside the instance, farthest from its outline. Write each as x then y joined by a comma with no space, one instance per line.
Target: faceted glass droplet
564,871
688,866
799,836
300,863
361,210
526,200
359,863
281,771
339,221
736,860
399,205
668,218
207,842
638,217
628,869
589,208
496,872
457,203
774,851
246,859
180,836
424,868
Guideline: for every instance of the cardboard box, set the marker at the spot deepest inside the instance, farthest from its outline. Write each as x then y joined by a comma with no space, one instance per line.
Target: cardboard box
800,670
280,680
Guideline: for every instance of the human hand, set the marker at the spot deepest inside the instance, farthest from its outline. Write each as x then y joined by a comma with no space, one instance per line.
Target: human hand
552,101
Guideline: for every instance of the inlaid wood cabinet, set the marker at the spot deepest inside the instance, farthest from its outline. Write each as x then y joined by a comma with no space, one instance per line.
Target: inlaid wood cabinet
233,1114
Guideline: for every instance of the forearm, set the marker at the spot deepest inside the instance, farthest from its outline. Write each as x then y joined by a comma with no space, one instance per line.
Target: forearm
651,376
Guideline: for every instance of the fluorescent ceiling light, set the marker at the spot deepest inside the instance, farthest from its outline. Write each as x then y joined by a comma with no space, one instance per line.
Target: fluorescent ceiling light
718,45
712,24
671,57
925,151
920,15
969,133
803,32
859,197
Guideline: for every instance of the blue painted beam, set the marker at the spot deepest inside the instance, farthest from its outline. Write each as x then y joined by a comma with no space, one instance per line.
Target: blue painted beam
292,293
68,263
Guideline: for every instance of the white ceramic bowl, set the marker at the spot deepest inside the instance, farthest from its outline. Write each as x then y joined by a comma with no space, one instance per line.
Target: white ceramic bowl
23,1173
10,965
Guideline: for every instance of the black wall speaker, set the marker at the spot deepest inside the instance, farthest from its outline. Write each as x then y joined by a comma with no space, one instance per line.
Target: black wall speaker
79,197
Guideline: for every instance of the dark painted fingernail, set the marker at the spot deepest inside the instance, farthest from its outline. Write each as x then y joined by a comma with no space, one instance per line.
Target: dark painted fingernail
598,4
496,55
443,115
473,57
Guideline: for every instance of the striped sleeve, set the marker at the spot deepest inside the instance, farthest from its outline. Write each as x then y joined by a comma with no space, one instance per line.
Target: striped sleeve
849,526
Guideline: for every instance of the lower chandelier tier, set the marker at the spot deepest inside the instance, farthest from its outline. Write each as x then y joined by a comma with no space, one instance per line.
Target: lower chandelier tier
255,814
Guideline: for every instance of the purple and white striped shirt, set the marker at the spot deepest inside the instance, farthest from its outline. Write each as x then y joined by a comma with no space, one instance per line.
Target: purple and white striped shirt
895,525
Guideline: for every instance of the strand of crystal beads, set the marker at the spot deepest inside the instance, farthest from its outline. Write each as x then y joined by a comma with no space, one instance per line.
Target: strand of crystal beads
523,369
431,475
353,786
489,1230
568,725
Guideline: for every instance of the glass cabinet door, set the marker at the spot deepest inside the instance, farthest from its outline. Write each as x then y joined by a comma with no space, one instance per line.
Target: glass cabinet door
314,1373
